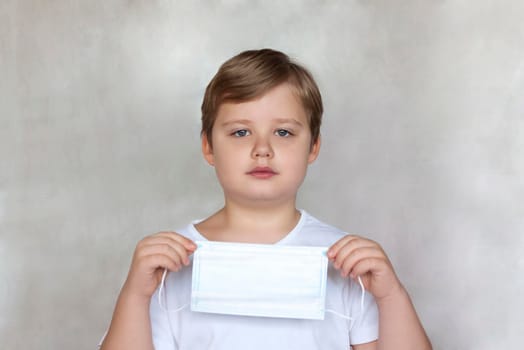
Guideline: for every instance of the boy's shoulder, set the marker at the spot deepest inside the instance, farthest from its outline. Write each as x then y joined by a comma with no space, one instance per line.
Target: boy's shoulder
317,232
189,230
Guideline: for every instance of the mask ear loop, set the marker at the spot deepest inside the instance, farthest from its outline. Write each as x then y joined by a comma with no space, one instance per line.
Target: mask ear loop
162,287
352,319
160,290
165,309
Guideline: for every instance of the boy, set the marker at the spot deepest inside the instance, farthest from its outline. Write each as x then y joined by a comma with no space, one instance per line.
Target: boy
261,118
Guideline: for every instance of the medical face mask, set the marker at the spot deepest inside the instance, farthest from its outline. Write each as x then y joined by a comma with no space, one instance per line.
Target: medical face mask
259,280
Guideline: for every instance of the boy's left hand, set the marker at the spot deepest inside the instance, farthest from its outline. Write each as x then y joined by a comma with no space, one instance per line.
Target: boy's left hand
357,256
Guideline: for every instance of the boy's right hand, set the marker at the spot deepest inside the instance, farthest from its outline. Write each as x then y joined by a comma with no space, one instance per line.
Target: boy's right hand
153,254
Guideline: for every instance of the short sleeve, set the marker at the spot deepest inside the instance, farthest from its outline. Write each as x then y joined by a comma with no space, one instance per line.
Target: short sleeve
365,326
160,325
102,340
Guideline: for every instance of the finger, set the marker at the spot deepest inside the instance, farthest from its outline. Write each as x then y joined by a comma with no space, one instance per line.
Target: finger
177,254
335,248
372,265
161,261
174,238
174,245
358,255
186,242
348,248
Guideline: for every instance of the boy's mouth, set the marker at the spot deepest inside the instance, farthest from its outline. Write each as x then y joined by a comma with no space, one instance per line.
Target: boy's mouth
262,172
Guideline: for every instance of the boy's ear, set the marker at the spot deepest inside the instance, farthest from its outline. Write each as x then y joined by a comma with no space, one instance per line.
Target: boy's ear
313,152
207,151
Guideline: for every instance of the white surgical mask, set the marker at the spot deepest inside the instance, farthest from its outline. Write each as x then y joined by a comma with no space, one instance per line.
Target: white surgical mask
259,280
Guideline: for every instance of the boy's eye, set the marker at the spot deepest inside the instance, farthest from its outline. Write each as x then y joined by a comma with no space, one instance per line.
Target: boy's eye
241,133
283,133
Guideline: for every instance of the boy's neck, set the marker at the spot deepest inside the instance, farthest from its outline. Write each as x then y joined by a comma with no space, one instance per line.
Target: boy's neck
250,224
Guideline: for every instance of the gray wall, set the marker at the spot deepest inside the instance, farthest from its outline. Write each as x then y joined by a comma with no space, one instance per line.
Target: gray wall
423,148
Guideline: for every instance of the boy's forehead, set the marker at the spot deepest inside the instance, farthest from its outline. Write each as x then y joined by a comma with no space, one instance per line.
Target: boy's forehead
280,103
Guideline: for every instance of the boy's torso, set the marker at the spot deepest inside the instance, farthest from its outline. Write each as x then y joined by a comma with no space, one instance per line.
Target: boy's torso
203,330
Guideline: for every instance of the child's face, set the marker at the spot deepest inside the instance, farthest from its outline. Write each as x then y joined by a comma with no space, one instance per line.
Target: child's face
261,148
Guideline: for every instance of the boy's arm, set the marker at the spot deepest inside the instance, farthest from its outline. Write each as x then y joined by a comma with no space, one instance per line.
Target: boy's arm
399,326
131,325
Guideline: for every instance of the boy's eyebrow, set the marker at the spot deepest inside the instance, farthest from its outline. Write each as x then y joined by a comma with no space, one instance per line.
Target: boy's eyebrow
236,121
278,120
289,120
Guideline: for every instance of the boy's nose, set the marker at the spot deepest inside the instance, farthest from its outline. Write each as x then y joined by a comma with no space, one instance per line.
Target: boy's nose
262,150
262,154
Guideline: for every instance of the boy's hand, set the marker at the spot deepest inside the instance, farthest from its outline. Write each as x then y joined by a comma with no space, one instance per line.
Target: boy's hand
357,256
152,254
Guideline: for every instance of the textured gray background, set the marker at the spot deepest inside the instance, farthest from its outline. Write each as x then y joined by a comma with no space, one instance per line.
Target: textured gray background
423,148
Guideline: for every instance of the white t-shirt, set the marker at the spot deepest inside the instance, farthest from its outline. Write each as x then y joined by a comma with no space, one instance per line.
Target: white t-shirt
184,329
